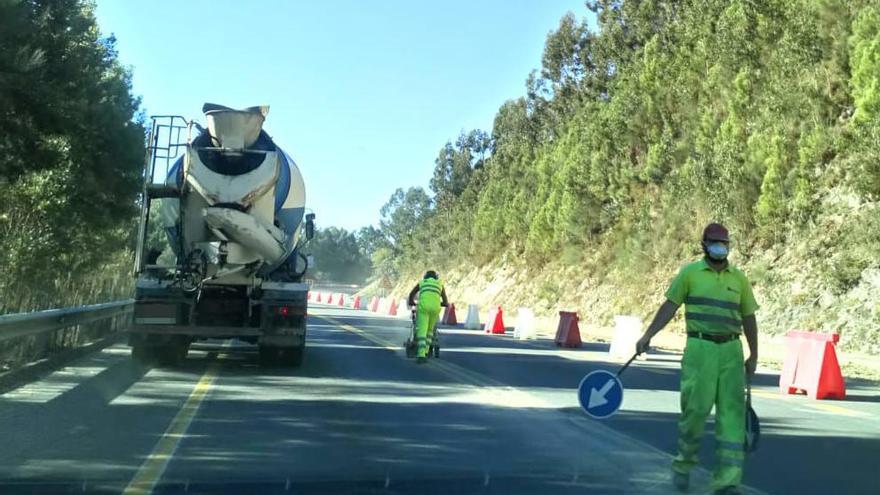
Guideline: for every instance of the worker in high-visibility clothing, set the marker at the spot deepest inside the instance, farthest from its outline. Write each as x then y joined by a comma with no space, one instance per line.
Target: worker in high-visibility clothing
719,307
432,296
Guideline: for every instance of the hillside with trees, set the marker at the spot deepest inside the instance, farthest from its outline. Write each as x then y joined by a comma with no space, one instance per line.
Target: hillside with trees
591,189
340,255
71,155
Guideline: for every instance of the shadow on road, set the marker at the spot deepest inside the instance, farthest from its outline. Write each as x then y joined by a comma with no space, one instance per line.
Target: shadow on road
358,418
819,462
790,459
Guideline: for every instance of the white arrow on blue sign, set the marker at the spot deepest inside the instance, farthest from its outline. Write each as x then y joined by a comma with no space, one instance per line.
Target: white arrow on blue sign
600,394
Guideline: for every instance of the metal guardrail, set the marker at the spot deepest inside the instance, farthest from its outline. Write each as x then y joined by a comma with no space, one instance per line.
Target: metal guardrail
29,324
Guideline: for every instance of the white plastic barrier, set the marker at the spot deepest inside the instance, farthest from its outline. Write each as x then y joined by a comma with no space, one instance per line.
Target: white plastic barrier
627,331
384,304
402,310
473,318
525,324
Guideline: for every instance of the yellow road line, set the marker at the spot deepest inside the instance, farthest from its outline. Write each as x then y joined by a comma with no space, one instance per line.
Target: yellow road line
468,376
659,371
357,331
449,368
818,406
153,468
586,357
452,370
768,395
478,379
835,409
481,380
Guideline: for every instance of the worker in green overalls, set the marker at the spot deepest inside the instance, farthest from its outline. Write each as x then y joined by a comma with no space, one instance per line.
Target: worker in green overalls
719,306
432,296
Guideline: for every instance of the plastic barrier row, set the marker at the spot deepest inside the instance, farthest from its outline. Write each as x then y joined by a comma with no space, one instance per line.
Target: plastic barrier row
380,305
811,365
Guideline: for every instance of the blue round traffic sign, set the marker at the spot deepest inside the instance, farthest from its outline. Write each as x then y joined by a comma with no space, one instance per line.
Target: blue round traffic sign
600,394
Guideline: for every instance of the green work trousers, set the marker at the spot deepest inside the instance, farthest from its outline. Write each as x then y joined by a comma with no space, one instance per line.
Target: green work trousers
427,314
712,375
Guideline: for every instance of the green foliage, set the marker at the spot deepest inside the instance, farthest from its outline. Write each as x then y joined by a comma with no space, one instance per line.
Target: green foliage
632,136
865,61
737,103
455,165
71,148
342,256
402,214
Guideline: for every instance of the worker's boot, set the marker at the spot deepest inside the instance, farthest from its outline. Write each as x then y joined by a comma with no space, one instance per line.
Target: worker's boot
681,481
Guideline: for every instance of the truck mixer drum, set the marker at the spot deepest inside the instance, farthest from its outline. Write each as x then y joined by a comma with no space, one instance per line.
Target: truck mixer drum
232,205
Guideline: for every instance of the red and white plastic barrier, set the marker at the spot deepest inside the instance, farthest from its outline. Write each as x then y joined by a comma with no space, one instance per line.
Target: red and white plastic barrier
449,317
391,308
811,366
495,322
568,333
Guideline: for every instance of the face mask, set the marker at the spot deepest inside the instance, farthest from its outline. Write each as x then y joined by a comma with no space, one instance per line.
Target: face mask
717,251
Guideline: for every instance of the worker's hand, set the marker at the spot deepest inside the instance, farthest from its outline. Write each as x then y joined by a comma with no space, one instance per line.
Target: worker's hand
643,344
751,366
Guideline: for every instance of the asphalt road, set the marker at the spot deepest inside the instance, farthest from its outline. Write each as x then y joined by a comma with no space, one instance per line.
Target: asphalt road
493,415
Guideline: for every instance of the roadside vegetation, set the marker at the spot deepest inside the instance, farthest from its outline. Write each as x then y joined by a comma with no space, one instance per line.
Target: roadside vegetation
71,154
591,189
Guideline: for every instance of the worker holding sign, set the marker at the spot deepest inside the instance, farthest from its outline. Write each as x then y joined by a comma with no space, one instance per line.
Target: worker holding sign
719,307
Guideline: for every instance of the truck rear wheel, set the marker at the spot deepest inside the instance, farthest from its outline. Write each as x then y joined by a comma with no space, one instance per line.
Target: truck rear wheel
268,356
172,354
295,356
163,355
271,356
142,354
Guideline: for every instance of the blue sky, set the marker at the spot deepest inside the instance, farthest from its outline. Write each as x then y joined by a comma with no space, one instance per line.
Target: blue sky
362,94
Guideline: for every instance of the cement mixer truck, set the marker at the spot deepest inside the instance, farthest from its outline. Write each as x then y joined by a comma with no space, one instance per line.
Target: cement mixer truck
220,245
